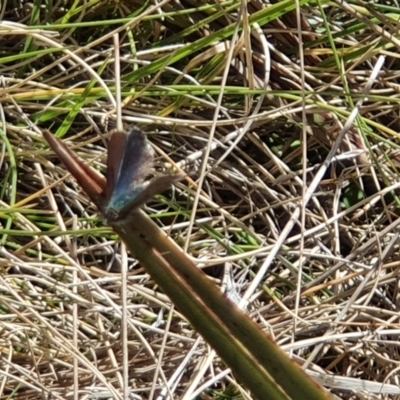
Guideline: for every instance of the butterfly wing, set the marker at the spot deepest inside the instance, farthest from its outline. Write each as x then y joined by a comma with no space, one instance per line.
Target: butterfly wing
130,159
155,186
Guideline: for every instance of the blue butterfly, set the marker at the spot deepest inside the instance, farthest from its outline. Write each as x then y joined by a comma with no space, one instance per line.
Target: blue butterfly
130,159
125,189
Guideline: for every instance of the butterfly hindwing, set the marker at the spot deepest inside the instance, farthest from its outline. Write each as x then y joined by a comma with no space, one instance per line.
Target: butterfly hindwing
155,186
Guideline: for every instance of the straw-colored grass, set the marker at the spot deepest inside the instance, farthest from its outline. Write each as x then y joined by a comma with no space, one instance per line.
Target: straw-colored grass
251,107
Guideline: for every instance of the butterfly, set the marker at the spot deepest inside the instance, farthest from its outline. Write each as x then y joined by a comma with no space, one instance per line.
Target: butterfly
129,162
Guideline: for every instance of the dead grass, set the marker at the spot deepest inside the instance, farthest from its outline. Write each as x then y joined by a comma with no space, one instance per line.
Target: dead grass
323,282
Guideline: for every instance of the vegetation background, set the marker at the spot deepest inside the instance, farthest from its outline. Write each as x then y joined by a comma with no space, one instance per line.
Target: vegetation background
251,98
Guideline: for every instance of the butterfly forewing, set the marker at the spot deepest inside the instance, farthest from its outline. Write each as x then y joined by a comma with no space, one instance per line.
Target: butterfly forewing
137,162
129,161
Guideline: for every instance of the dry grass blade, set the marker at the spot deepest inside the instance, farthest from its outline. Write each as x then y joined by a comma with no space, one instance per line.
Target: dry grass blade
61,287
